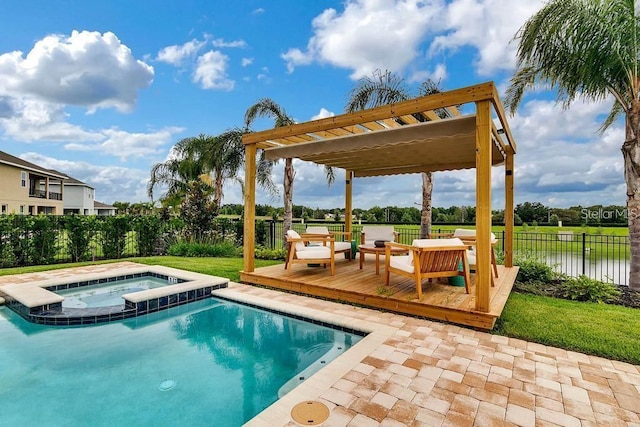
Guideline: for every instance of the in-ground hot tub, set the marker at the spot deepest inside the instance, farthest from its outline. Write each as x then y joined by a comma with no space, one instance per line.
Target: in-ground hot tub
122,293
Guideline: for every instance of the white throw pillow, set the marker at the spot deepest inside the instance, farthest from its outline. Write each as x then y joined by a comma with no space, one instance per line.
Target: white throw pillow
294,235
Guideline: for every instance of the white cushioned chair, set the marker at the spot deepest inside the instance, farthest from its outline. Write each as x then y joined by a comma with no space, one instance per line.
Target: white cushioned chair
427,259
371,233
300,252
340,246
468,236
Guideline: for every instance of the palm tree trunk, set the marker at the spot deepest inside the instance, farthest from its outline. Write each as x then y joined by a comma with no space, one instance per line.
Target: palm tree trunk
288,196
425,214
631,154
218,193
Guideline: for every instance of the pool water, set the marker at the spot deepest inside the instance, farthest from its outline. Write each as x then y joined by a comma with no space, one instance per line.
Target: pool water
107,294
210,362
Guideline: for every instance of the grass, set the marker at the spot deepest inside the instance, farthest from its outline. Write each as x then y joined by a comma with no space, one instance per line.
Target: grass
609,331
604,330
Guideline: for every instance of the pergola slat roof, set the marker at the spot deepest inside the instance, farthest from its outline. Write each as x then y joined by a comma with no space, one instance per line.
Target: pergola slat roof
443,144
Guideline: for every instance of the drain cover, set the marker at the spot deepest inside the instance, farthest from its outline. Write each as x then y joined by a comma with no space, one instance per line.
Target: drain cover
310,413
167,385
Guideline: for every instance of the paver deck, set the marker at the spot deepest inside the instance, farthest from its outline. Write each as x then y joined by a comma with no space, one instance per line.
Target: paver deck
415,372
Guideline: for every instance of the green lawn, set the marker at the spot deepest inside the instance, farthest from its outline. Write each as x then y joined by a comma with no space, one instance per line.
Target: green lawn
604,330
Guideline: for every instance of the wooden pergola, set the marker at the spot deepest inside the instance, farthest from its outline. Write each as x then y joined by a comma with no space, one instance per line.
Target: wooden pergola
407,137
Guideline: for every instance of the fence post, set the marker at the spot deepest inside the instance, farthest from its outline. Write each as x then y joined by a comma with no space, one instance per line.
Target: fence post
272,234
584,253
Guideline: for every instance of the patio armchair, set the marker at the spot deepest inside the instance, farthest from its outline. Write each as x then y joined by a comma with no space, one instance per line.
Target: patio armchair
343,246
300,252
371,233
468,236
428,259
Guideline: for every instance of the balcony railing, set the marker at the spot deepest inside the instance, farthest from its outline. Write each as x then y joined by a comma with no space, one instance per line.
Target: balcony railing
41,194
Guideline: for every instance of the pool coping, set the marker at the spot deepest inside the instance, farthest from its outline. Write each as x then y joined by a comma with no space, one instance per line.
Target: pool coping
279,413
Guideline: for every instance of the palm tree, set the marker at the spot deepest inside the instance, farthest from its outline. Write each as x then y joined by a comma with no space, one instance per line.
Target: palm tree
175,174
589,49
388,88
266,107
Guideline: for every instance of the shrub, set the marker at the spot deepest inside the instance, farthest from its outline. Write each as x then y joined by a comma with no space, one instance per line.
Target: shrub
583,288
533,268
271,254
149,229
113,235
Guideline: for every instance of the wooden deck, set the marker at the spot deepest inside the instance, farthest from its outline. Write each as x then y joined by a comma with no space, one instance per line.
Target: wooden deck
350,284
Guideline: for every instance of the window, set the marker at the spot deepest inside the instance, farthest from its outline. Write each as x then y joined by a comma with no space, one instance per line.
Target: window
22,209
23,179
5,208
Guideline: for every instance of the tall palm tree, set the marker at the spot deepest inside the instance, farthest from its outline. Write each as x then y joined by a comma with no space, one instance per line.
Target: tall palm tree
384,88
589,49
266,107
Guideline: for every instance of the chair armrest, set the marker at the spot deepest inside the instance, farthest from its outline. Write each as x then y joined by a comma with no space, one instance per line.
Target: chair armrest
312,238
400,245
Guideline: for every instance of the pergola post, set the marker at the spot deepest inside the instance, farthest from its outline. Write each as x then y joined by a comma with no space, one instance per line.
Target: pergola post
348,206
508,209
483,205
249,207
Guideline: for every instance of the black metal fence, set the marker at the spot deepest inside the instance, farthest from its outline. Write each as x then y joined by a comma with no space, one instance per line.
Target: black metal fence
600,256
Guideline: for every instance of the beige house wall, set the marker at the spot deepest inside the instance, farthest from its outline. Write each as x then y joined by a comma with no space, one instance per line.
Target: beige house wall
14,199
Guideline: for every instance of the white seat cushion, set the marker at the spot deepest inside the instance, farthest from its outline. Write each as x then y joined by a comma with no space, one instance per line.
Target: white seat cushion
317,230
315,252
467,232
341,246
402,262
298,245
426,243
471,257
378,232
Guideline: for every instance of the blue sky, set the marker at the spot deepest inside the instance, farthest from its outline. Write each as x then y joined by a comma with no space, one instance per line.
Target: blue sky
103,90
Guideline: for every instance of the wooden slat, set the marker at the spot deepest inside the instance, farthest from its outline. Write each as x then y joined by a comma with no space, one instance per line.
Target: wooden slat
431,115
373,126
409,119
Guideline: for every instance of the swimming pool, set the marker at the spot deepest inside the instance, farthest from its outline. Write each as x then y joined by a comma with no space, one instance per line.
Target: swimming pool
211,362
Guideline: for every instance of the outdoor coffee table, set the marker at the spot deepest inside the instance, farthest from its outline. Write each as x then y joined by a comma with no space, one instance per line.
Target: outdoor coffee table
373,249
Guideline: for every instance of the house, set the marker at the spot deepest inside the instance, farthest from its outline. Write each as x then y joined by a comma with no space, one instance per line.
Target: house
103,209
79,198
28,188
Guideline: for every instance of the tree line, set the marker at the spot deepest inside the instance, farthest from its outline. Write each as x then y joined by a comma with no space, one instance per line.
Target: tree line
524,213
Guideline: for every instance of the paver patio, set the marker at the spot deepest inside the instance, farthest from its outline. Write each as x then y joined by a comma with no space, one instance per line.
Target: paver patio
415,372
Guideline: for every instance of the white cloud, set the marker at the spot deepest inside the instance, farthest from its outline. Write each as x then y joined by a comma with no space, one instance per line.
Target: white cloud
211,71
30,120
487,25
368,35
246,62
88,69
234,43
112,183
257,11
322,114
126,145
437,75
176,54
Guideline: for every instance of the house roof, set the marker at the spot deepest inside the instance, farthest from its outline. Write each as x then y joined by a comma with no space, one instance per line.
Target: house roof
100,205
407,137
17,162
